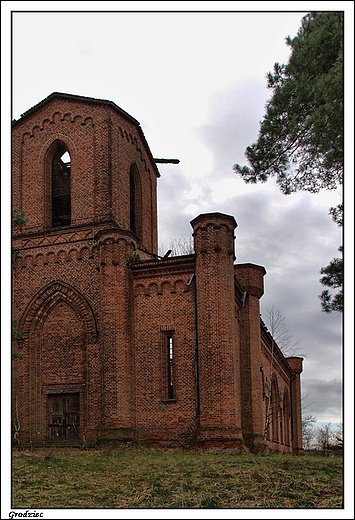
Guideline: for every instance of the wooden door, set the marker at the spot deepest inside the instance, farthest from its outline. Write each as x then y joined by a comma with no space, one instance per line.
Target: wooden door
64,417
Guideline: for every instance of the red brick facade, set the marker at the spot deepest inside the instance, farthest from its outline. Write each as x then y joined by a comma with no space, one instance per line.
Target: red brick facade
117,343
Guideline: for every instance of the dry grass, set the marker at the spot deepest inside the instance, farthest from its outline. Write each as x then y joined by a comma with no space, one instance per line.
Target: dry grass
137,478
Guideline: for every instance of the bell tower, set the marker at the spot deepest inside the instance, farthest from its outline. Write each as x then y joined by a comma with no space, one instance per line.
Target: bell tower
84,177
84,162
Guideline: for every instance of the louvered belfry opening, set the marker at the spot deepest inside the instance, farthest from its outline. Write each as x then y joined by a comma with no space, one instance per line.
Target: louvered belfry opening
61,203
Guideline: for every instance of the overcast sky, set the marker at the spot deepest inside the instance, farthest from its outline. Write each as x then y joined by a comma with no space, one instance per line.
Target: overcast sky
196,83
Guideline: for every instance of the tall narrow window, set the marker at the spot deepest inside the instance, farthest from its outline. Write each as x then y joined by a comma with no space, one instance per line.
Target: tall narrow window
275,410
286,417
61,199
135,201
132,202
170,366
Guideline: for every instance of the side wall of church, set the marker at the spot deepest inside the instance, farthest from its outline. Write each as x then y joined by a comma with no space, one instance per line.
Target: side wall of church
164,348
277,378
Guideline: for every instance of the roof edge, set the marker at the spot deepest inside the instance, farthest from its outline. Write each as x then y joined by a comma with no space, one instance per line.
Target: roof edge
77,97
86,99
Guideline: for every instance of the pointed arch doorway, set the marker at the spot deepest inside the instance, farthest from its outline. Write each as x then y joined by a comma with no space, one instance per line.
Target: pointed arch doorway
58,328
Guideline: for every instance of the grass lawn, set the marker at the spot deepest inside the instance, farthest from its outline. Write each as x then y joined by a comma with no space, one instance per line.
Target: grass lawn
146,478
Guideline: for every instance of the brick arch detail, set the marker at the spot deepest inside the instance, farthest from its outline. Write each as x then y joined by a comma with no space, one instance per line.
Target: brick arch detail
59,138
111,244
164,287
47,298
57,117
56,141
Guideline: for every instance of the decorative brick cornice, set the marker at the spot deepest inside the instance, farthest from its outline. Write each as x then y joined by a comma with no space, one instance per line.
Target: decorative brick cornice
54,239
172,265
56,118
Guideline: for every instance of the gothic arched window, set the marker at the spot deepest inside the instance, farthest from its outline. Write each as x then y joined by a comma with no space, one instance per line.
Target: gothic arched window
135,200
61,197
132,203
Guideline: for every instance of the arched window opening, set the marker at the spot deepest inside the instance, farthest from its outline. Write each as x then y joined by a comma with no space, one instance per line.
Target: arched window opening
135,201
275,410
286,417
132,202
61,197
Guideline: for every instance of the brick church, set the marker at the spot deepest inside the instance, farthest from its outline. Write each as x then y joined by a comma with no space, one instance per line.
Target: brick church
114,342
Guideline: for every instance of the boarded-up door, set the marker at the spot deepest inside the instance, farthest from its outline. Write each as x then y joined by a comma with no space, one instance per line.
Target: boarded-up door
64,418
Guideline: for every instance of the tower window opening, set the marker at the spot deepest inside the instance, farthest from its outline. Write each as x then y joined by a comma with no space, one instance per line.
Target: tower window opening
61,197
132,194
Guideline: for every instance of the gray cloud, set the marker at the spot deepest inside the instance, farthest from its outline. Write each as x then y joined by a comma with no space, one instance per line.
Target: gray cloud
232,123
325,397
291,236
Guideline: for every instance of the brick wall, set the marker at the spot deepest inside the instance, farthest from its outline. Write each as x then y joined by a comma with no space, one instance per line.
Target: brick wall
160,351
